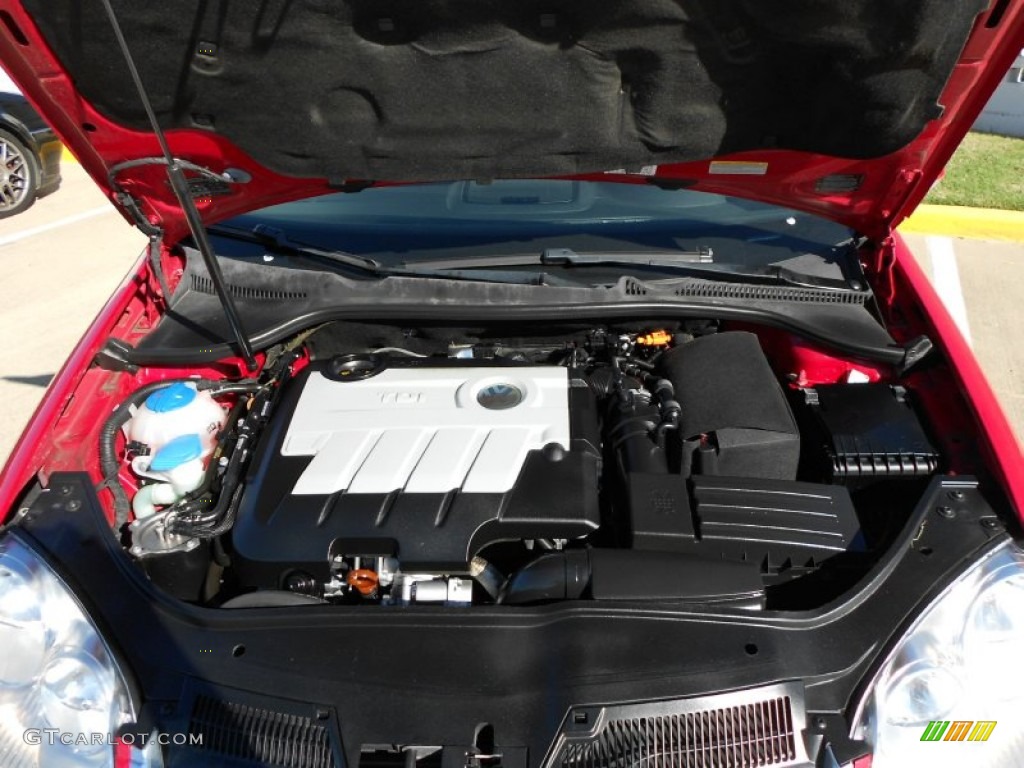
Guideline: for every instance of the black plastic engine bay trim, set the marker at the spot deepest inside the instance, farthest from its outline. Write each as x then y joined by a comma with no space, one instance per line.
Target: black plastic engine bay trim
423,675
277,302
155,351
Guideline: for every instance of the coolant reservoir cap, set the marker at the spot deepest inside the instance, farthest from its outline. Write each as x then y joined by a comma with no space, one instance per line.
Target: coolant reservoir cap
176,452
171,398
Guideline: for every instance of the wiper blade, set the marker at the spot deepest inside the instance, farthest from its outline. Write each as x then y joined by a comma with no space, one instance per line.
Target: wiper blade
654,258
772,273
278,242
696,263
509,276
699,256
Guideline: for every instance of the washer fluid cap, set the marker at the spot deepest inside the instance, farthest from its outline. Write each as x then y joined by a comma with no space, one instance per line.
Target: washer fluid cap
171,398
177,452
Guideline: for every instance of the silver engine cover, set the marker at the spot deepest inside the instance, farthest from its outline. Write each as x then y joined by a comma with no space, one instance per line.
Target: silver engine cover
426,430
426,461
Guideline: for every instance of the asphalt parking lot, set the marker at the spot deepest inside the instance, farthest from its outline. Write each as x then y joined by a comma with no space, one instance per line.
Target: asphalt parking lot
64,257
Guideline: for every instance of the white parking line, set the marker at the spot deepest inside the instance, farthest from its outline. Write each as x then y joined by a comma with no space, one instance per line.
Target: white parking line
946,279
26,233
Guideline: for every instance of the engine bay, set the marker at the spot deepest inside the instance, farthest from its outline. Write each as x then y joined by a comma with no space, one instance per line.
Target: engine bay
672,462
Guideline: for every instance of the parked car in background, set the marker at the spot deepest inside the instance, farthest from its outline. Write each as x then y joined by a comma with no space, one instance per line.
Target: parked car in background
29,153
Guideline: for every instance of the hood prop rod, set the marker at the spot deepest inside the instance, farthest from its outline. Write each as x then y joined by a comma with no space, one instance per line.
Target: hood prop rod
181,191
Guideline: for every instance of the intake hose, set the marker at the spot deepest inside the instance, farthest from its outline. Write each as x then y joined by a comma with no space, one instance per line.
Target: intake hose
110,466
636,574
664,393
632,421
553,576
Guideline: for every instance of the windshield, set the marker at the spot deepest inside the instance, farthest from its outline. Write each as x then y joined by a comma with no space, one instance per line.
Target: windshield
423,222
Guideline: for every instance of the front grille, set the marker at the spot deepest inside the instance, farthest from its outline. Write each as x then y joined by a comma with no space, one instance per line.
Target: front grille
260,736
745,730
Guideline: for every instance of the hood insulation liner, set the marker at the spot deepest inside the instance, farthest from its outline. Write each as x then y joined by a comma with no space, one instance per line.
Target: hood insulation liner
442,89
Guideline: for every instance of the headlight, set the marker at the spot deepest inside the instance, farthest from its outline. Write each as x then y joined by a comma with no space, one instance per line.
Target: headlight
958,671
62,696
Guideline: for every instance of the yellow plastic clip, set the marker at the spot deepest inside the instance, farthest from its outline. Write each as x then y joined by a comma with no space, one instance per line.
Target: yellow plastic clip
655,339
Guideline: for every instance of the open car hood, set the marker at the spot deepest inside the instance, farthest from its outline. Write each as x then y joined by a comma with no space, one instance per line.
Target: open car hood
845,108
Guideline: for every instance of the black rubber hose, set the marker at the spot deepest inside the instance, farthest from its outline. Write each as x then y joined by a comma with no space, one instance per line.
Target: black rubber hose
196,518
664,393
552,576
219,521
190,519
243,387
211,471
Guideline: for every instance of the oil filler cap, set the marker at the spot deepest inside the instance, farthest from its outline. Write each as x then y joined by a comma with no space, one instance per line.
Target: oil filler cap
171,398
354,367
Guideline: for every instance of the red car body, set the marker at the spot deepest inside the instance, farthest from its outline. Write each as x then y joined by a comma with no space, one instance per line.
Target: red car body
871,196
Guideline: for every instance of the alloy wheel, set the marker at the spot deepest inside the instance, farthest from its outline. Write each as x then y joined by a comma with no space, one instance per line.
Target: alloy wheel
14,175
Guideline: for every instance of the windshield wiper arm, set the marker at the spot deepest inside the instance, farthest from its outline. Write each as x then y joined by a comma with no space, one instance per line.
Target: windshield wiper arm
278,242
771,273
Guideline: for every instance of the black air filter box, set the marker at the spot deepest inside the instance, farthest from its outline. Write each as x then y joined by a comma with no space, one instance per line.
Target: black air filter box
777,524
864,432
736,420
781,525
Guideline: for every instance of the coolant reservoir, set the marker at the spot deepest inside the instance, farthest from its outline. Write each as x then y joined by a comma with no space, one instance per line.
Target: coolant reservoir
179,426
173,411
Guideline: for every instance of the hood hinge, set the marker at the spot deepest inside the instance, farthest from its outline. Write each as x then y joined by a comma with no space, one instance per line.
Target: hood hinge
902,188
155,264
155,235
